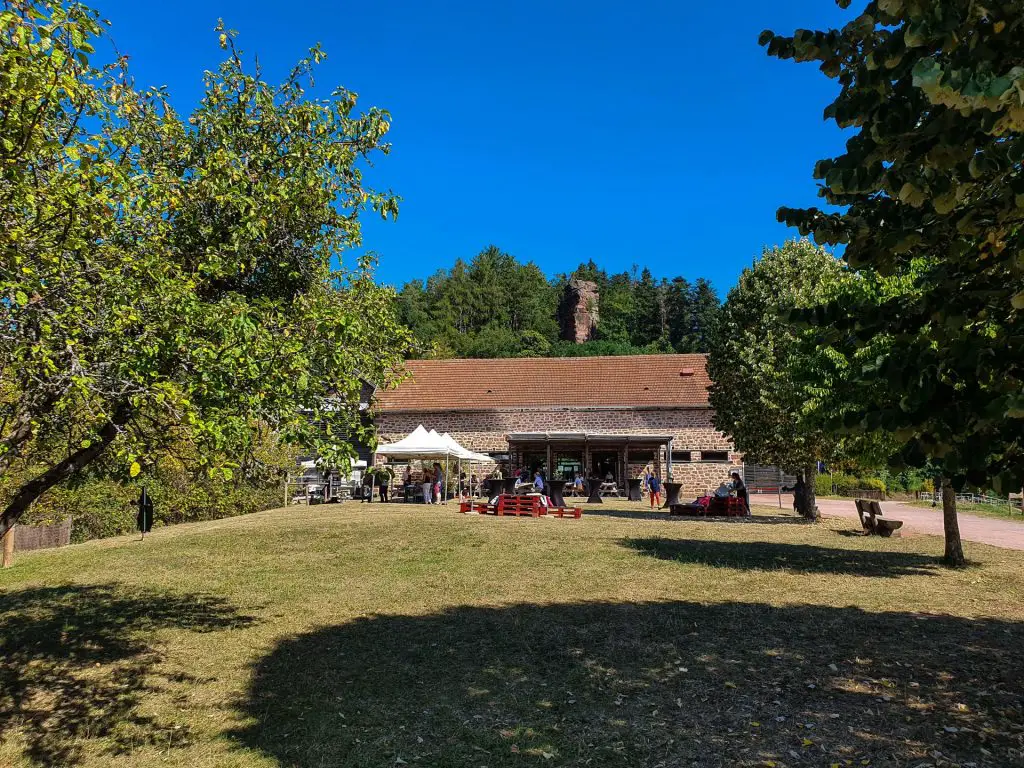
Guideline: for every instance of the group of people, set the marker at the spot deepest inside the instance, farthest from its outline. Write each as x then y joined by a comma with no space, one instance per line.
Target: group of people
432,483
652,484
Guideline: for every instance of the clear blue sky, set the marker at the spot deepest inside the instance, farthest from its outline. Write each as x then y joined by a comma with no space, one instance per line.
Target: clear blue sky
643,132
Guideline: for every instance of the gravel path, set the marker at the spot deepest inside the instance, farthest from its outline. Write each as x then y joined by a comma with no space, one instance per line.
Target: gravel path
1008,534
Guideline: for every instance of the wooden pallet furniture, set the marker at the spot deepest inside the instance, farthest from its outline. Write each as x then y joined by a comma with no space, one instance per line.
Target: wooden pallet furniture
478,507
509,504
512,504
574,512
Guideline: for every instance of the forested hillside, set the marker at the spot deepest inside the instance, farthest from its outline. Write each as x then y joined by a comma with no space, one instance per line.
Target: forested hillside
496,306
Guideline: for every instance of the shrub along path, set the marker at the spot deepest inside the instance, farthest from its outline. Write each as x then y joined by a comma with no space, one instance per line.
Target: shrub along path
357,635
1006,533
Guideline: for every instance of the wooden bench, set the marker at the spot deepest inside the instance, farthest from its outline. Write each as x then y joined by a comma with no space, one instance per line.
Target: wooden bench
574,512
870,513
509,504
478,507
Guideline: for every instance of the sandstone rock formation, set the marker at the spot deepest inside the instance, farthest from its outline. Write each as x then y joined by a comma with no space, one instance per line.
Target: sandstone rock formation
577,312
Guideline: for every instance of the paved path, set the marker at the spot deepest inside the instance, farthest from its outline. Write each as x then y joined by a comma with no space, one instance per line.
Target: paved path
987,530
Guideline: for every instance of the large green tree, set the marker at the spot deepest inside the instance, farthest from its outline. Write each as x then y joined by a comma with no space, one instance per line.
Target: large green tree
930,188
166,279
773,379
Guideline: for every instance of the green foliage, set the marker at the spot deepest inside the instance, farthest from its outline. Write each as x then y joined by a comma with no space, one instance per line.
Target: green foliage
102,501
495,306
822,485
772,378
930,195
169,281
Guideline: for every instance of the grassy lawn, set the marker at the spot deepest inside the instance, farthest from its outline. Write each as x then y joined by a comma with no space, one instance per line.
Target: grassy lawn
358,635
981,510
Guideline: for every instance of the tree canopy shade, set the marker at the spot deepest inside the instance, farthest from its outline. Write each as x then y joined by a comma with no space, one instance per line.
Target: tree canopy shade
165,279
930,189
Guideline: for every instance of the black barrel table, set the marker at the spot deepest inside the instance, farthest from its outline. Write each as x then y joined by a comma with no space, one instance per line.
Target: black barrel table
555,488
594,489
492,487
633,492
509,485
672,493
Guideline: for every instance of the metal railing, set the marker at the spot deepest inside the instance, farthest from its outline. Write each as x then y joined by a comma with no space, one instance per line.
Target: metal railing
972,498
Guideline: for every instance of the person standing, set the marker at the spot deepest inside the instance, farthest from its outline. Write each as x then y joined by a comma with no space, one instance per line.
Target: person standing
385,480
438,482
428,486
741,490
654,490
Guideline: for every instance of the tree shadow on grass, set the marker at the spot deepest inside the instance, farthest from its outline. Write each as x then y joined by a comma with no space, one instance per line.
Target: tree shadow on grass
798,558
782,518
659,684
75,663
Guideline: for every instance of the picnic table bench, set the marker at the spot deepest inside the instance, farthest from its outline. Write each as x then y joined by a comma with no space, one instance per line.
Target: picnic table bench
512,504
713,506
870,513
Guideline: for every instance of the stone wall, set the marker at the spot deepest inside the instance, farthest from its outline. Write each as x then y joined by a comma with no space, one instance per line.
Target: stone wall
486,431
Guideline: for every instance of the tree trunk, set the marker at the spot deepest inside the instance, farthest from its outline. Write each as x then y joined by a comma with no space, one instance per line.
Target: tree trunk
37,486
8,541
806,503
954,556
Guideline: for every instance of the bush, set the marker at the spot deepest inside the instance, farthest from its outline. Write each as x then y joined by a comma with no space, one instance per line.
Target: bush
103,502
823,485
844,483
871,483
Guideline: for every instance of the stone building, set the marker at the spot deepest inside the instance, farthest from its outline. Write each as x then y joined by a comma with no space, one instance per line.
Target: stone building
590,415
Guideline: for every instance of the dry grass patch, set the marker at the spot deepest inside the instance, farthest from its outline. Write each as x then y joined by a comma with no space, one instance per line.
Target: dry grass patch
359,635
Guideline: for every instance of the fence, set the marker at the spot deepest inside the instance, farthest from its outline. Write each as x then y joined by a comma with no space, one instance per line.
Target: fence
861,493
973,498
29,537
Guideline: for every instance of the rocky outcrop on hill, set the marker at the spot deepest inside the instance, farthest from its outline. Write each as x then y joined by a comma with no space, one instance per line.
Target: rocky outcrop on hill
577,313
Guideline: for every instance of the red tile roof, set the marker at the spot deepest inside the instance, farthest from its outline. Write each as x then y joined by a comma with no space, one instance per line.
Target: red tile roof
635,380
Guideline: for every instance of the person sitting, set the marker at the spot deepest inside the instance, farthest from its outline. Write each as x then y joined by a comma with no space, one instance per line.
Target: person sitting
740,489
577,484
538,481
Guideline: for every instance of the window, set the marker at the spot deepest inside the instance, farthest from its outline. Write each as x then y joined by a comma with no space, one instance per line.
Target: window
682,456
714,455
641,457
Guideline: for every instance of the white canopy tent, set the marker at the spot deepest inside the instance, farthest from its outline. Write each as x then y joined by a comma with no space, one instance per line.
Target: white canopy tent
421,444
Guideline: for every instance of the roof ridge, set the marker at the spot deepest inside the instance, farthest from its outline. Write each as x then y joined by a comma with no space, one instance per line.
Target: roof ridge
577,359
642,381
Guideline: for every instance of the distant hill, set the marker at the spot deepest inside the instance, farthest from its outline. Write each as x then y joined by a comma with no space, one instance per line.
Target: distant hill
497,306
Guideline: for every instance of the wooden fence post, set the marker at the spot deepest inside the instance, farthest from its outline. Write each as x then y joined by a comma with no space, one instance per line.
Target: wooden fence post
8,557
